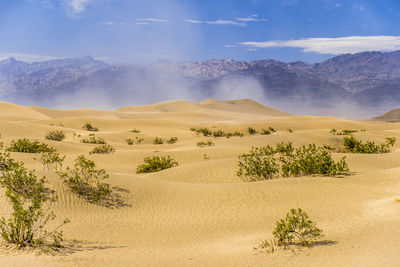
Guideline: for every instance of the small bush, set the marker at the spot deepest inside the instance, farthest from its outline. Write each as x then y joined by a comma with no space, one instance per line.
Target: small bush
353,145
343,132
129,141
203,131
204,144
206,157
158,141
139,140
103,149
296,225
86,181
236,133
135,131
51,160
290,130
218,133
271,129
156,164
263,163
172,140
93,140
28,195
265,132
27,146
89,127
55,136
252,131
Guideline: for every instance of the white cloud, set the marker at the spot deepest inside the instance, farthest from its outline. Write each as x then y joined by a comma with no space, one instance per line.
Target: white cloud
110,23
230,46
26,57
335,46
216,22
78,6
152,20
361,8
252,18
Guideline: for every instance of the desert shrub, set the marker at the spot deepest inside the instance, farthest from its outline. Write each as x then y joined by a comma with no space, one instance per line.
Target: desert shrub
218,133
135,131
353,145
93,140
271,129
86,181
158,141
26,146
139,140
343,132
155,164
55,136
193,129
251,130
129,141
296,225
236,133
203,131
206,157
265,132
28,195
103,149
258,164
204,144
290,130
333,131
172,140
263,163
311,159
89,127
51,160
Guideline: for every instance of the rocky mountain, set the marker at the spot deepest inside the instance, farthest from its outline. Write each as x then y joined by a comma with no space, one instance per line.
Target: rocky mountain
369,79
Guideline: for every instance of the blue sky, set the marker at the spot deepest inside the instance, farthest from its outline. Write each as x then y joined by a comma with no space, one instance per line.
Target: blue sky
141,31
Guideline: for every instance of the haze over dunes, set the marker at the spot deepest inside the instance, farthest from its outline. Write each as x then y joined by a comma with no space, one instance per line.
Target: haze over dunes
201,213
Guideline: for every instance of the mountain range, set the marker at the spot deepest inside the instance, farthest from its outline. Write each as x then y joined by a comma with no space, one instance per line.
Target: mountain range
370,80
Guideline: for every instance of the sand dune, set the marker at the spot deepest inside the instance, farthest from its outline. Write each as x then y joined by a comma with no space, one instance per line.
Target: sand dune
200,213
392,116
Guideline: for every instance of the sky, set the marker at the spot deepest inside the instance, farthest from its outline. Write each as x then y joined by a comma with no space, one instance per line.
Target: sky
144,31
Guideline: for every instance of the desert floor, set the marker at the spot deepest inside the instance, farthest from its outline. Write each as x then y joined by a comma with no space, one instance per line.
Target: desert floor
201,213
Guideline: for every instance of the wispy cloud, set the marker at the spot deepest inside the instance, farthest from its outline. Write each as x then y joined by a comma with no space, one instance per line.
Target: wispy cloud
216,22
112,23
77,6
361,8
148,20
26,57
230,46
335,46
252,18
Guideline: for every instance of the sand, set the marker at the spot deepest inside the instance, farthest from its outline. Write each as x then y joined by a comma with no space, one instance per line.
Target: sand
200,213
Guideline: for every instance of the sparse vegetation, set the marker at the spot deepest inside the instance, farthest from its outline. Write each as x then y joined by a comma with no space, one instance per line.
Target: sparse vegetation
103,149
28,195
26,146
89,127
139,140
135,131
296,226
218,133
172,140
156,164
206,143
203,131
343,132
263,163
206,157
158,141
86,181
353,145
290,130
51,160
129,141
265,132
55,136
251,130
93,140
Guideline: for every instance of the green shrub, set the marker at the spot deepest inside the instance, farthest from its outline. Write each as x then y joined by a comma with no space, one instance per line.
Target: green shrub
86,181
135,131
172,140
26,146
93,140
207,143
252,130
89,127
343,132
55,136
258,164
296,225
290,130
236,133
271,129
129,141
353,145
265,132
203,131
158,141
263,163
51,160
139,140
218,133
103,149
155,164
28,196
